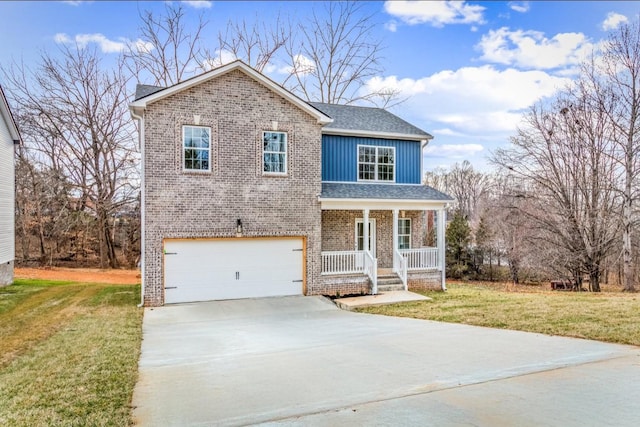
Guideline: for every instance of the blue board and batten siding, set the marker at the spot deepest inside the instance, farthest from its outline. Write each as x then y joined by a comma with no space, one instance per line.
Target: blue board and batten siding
340,158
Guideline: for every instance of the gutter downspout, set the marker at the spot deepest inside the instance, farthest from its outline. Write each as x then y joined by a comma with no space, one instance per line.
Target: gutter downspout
423,144
140,120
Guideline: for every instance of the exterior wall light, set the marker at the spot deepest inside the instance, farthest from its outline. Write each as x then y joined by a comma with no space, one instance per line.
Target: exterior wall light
238,227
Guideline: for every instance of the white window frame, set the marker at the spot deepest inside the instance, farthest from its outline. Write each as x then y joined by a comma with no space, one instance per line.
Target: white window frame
372,235
184,149
376,164
404,235
286,153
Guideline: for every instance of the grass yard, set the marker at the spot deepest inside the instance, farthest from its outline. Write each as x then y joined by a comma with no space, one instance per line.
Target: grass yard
607,316
68,353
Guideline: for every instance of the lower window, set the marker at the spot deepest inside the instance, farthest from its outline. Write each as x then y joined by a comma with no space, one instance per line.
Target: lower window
404,233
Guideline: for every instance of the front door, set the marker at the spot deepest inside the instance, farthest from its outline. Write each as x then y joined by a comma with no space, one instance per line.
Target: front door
360,235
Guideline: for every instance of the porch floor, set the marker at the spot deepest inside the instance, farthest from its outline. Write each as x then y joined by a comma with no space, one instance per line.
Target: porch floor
392,297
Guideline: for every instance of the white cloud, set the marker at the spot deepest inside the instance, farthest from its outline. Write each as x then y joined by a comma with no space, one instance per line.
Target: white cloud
435,13
471,100
222,57
141,46
613,20
270,68
471,110
61,38
106,45
391,26
531,49
453,151
519,6
76,2
302,65
198,4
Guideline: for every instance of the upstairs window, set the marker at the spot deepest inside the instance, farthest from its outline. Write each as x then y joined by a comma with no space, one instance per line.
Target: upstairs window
376,163
196,146
274,153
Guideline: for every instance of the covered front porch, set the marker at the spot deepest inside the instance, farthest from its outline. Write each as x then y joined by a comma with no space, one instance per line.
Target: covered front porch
373,229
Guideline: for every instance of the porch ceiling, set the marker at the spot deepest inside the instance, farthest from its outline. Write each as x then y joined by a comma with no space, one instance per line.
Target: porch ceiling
339,195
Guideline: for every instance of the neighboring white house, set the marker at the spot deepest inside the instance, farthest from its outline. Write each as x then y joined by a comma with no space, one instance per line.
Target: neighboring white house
9,137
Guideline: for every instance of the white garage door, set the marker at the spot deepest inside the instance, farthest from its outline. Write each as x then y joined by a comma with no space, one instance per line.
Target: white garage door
202,270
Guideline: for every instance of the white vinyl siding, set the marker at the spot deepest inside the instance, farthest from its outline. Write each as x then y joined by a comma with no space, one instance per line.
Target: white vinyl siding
7,195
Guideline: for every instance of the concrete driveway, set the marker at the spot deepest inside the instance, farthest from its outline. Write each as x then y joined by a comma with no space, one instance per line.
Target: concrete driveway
300,361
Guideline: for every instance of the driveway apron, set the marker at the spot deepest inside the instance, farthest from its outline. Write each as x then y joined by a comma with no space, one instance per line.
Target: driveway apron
302,361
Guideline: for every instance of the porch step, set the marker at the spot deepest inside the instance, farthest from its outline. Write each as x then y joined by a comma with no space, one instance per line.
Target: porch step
390,288
389,283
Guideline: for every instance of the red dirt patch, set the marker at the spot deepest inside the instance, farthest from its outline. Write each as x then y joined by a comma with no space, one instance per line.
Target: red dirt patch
95,275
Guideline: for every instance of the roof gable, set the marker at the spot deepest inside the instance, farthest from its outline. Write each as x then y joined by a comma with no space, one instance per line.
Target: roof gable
150,94
5,114
368,122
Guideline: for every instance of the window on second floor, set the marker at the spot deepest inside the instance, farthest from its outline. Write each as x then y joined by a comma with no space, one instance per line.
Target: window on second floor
376,163
274,153
196,148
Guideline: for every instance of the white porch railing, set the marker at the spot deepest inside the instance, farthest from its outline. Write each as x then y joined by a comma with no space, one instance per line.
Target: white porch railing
342,262
371,270
353,262
400,267
421,259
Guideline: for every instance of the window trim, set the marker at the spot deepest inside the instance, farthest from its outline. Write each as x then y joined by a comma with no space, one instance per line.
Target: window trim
403,235
376,147
184,168
373,238
286,153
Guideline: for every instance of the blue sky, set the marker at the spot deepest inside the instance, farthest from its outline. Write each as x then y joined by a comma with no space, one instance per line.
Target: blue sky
469,69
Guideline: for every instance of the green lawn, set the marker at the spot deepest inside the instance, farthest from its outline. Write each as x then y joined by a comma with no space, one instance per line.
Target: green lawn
607,316
68,353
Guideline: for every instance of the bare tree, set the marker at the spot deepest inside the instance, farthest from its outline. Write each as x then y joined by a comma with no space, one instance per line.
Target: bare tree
615,84
334,54
566,156
467,186
77,124
167,52
256,44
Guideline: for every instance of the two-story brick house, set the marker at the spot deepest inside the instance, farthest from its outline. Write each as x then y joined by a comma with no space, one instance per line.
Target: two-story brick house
249,191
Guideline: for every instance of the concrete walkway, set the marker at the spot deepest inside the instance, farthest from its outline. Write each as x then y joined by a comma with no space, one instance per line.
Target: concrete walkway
300,361
382,298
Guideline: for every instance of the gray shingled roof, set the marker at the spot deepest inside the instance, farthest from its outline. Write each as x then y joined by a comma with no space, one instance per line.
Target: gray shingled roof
369,119
146,90
347,190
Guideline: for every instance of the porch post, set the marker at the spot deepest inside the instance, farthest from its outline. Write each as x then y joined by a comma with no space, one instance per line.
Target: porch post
441,246
394,245
365,230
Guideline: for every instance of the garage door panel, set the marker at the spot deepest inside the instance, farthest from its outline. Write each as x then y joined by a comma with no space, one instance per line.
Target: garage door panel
201,270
